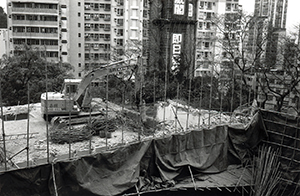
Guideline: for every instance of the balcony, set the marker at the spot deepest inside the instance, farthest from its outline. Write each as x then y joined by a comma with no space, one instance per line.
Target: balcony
106,28
34,10
28,34
107,19
106,38
35,22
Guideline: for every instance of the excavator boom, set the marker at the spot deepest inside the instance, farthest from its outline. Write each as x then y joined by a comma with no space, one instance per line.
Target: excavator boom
113,68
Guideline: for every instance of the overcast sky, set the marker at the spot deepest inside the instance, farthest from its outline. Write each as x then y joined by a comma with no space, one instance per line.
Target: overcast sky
293,17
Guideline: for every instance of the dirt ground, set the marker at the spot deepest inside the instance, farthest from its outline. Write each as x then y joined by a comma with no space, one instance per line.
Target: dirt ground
165,115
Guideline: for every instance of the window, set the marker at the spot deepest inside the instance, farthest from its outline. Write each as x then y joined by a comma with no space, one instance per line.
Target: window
79,34
63,30
63,6
64,41
206,44
78,3
64,53
79,25
79,55
78,14
79,64
79,74
79,45
201,4
64,18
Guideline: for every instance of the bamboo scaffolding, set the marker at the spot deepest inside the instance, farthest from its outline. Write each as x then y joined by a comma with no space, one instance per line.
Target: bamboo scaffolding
281,145
90,122
280,123
192,177
47,119
54,180
293,155
189,102
28,115
106,111
2,123
69,121
281,134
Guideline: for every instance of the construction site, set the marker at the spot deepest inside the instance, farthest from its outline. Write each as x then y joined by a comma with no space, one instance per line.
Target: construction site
166,147
156,126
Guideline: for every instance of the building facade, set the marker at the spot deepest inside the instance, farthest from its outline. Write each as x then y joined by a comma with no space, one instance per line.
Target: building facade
84,33
41,24
208,44
172,36
270,27
3,42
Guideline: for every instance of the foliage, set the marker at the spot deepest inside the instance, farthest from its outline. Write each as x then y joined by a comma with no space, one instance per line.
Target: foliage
283,79
3,18
28,68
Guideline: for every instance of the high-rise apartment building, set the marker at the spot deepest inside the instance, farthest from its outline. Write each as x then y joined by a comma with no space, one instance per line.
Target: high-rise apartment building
40,24
208,46
269,28
85,33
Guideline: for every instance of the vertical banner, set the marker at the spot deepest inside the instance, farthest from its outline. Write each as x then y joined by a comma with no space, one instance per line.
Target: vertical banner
179,7
176,50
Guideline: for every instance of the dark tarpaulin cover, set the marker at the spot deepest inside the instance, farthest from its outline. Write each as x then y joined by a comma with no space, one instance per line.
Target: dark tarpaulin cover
204,150
242,139
27,181
113,172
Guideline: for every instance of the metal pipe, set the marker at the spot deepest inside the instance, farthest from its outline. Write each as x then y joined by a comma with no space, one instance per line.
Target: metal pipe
2,121
28,110
46,109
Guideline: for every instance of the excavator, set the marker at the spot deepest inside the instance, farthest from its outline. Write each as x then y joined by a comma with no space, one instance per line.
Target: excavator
74,99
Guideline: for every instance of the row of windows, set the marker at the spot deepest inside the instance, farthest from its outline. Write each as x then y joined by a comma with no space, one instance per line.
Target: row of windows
204,55
34,5
36,41
232,6
96,56
206,5
206,15
97,46
206,25
88,16
17,29
88,26
34,17
96,36
96,6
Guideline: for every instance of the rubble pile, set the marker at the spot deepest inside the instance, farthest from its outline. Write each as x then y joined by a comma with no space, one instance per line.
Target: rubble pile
69,134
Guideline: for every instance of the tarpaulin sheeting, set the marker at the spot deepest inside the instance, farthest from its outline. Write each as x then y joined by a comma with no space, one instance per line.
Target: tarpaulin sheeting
113,172
242,139
28,181
204,150
107,173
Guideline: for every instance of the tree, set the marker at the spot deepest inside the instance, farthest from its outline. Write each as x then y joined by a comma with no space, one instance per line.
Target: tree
283,81
28,68
243,40
3,18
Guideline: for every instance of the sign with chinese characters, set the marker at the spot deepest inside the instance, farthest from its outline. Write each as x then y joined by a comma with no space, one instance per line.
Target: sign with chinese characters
176,50
191,7
179,7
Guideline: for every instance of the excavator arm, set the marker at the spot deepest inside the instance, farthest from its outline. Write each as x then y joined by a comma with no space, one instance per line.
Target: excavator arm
82,95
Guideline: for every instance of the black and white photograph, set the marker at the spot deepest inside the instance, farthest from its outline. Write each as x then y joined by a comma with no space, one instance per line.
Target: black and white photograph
149,97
